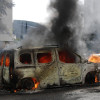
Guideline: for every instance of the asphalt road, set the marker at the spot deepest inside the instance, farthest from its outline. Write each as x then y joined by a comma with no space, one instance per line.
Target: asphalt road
91,93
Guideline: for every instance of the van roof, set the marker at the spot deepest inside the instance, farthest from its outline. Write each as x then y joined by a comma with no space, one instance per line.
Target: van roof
38,47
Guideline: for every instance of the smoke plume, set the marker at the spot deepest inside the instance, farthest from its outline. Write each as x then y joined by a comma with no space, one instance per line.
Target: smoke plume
92,25
73,24
76,25
88,40
61,28
38,37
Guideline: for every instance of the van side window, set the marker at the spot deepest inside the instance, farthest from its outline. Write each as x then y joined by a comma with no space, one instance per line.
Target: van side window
7,60
25,58
66,57
1,60
44,57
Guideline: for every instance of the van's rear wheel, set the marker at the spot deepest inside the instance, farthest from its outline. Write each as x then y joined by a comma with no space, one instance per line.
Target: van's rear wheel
27,84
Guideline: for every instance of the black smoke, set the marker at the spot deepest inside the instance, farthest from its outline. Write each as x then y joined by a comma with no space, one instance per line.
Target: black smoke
63,33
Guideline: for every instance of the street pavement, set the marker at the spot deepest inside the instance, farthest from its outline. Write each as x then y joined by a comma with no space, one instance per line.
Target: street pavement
91,93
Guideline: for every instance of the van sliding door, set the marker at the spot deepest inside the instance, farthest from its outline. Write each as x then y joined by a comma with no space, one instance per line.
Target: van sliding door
46,67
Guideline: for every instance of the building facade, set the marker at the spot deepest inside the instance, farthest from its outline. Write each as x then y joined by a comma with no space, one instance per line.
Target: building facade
21,27
6,33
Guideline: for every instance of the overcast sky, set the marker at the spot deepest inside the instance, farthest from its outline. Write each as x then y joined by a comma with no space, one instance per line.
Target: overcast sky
31,10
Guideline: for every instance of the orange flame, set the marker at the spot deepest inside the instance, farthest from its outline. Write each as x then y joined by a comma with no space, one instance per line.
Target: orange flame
66,57
35,83
44,57
2,58
15,91
7,62
95,58
96,79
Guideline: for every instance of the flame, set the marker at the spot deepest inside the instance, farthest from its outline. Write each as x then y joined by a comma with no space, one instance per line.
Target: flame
66,57
2,58
95,58
15,91
35,83
7,62
96,79
44,57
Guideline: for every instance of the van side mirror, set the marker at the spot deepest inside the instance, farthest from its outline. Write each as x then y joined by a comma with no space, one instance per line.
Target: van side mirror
86,61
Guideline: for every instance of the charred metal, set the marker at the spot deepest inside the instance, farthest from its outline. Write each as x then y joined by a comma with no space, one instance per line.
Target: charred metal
38,68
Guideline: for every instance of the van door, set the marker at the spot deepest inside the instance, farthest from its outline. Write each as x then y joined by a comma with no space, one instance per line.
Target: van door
1,66
6,71
70,69
46,67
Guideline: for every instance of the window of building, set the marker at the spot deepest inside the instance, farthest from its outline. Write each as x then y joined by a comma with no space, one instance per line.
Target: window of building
25,58
66,57
44,57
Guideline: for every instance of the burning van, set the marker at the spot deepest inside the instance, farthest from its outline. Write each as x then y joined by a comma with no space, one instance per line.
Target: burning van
38,68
